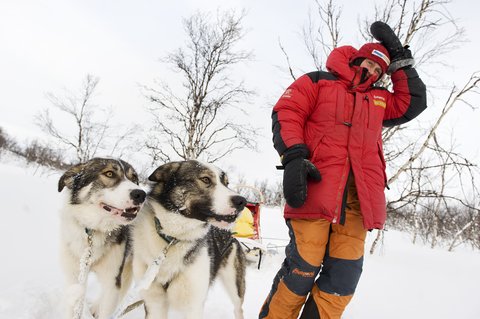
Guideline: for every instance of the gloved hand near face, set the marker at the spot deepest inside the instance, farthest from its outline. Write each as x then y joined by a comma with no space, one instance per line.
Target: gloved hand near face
297,171
400,55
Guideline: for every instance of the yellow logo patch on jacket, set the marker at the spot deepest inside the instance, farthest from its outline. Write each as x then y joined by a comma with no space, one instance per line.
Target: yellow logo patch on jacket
379,101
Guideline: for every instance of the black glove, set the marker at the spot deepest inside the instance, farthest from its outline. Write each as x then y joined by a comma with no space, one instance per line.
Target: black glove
297,170
400,56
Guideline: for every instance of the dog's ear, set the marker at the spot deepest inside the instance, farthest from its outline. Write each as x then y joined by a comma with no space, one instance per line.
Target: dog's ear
164,172
68,178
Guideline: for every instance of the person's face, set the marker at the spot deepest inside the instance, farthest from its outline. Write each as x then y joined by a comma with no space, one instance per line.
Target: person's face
373,68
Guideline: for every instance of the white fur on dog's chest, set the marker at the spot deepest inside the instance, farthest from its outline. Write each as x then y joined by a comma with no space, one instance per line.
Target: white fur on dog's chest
76,239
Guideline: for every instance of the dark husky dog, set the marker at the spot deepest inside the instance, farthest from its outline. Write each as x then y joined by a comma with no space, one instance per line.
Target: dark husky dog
102,199
186,199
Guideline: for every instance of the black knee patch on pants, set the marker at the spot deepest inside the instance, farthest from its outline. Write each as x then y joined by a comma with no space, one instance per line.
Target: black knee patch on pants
299,276
340,276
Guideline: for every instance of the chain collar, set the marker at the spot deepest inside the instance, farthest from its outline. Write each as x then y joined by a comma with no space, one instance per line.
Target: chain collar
158,228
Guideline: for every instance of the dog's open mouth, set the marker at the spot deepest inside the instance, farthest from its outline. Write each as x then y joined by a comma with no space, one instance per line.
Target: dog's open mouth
128,213
228,218
225,218
222,221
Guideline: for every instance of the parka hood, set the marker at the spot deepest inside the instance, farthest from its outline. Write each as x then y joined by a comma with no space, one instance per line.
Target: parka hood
339,62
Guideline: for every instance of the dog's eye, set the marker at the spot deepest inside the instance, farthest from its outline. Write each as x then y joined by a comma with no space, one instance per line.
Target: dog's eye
108,174
206,180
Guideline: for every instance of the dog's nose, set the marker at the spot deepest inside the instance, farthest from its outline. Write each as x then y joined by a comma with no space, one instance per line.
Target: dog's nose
138,196
239,202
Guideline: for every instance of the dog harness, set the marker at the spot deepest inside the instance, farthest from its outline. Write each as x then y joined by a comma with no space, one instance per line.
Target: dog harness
85,263
148,278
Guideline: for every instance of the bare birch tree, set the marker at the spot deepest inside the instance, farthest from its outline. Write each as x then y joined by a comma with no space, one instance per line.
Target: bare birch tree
198,122
430,175
437,171
321,34
85,128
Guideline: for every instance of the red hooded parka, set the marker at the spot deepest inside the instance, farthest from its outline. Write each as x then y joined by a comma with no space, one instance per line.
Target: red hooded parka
340,121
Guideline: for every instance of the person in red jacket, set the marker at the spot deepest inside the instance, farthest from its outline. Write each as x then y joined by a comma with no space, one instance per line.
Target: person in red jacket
327,128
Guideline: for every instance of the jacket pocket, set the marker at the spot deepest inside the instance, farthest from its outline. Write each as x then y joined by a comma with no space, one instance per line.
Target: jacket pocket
317,148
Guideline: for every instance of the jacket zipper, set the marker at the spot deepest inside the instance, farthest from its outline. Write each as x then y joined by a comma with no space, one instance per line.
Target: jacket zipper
340,215
342,196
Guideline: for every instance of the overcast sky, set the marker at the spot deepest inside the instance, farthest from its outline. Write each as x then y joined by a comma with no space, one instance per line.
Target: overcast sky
50,45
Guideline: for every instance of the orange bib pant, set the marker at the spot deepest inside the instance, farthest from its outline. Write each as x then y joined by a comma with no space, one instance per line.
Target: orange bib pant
323,261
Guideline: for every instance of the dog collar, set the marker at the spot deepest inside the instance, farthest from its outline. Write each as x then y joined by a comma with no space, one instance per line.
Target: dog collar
158,228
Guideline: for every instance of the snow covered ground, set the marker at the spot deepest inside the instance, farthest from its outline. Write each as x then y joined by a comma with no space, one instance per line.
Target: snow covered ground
399,281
